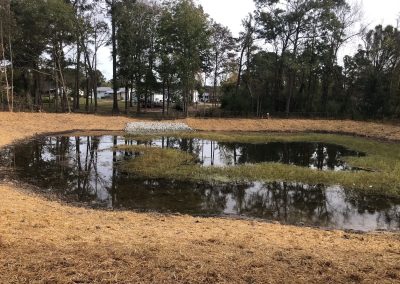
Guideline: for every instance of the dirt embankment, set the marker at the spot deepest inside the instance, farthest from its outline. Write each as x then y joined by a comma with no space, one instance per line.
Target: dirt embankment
47,242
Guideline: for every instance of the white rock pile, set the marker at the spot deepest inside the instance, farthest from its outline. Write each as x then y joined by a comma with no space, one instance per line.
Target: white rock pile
156,127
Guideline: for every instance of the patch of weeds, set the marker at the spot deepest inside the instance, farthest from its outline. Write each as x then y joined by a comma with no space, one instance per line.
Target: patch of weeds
155,162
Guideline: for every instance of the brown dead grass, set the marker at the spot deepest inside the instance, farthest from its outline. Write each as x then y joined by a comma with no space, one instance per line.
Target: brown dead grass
47,242
366,129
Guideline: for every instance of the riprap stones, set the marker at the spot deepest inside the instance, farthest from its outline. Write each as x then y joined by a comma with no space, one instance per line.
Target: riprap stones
156,127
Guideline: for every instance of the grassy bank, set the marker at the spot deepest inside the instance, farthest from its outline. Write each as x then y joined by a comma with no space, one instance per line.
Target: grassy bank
382,161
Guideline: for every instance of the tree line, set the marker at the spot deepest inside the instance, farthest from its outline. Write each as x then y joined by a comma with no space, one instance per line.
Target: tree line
298,69
285,60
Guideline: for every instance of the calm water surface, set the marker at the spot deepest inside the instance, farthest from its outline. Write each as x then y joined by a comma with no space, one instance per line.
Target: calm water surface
85,170
321,156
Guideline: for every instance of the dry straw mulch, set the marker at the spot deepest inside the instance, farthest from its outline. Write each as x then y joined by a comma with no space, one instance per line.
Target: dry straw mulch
46,242
365,129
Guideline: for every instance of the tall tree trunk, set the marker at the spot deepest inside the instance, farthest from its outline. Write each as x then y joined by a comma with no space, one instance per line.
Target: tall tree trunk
94,90
138,94
11,59
126,97
115,109
240,70
12,71
146,98
2,47
163,104
36,89
91,78
131,96
215,79
168,95
185,99
95,79
57,88
86,87
64,90
59,59
77,76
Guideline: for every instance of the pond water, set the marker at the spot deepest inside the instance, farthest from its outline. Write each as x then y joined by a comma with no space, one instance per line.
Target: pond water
84,170
321,156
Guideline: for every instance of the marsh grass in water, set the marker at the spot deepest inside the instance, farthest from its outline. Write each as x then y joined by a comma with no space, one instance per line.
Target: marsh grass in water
153,162
381,163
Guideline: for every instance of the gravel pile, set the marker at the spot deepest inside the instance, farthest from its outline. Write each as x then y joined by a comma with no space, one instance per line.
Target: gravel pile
154,127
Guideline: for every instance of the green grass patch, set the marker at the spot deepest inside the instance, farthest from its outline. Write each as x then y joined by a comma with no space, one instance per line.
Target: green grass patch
156,162
383,158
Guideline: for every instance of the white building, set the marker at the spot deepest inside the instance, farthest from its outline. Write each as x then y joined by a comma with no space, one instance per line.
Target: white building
107,93
104,92
158,98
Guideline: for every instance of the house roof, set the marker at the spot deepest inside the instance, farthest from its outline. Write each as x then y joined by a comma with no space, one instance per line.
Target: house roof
104,89
110,90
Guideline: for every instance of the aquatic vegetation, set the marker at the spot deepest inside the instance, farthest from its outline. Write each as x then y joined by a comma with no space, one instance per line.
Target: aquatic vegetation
151,162
381,174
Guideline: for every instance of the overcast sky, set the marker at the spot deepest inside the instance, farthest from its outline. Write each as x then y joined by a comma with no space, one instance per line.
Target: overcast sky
231,12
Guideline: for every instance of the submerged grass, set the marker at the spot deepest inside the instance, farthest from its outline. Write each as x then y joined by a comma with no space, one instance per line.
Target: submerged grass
382,159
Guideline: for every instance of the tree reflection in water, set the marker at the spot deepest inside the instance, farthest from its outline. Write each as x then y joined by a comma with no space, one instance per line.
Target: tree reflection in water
321,156
84,169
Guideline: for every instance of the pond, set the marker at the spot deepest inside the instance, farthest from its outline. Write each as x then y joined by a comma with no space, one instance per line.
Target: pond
321,156
85,170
